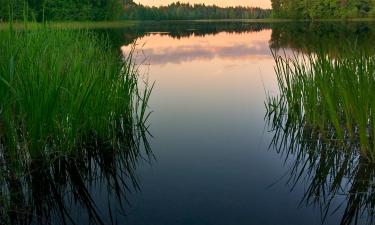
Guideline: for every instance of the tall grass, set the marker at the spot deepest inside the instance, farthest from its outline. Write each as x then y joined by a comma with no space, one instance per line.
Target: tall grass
68,106
323,122
57,87
336,181
333,95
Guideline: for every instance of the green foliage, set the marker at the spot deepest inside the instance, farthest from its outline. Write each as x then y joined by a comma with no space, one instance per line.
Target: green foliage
331,96
58,88
71,114
323,9
328,169
11,8
180,11
60,9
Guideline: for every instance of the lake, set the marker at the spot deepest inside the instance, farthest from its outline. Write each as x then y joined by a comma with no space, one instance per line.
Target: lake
213,158
214,164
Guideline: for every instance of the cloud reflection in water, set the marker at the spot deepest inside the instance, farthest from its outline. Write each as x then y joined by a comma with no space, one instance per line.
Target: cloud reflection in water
159,51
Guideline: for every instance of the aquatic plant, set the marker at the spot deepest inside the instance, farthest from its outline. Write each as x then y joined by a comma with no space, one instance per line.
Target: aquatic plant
336,181
71,110
332,94
58,87
323,122
91,186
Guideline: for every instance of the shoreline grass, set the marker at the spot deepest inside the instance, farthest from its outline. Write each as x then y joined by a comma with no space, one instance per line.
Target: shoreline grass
58,87
69,25
326,167
70,110
331,95
323,123
121,23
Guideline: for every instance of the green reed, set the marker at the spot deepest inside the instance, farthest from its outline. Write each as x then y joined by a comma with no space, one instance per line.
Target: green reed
330,94
327,170
71,110
322,120
60,87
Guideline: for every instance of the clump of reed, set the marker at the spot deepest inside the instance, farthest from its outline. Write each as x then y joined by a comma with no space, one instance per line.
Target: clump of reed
59,87
323,122
334,178
66,98
329,94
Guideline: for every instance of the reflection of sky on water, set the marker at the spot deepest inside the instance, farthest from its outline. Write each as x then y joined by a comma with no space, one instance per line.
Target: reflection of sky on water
162,49
210,138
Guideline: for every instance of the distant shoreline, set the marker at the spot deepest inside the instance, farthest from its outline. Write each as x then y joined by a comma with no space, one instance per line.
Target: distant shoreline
127,23
72,24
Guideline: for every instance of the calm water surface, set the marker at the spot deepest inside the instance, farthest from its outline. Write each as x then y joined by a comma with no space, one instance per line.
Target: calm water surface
214,164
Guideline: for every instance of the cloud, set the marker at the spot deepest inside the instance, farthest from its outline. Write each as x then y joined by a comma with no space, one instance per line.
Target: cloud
186,53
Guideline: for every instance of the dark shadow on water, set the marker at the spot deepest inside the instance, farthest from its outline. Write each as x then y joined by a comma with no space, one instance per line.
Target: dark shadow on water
328,36
128,35
300,36
64,190
338,179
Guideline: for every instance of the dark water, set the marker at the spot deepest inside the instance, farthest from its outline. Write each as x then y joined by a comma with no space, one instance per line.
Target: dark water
213,161
211,139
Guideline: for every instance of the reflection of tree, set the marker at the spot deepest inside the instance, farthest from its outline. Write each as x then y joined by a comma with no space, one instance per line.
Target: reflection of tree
328,36
178,30
300,36
328,168
40,191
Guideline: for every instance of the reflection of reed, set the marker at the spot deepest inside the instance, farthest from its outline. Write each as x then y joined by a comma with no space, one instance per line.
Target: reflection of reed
67,126
330,166
49,191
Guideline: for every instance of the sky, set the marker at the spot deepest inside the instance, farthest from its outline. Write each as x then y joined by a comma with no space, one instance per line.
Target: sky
224,3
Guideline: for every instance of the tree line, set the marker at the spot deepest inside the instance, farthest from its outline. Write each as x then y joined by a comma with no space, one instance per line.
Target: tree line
186,11
60,10
323,9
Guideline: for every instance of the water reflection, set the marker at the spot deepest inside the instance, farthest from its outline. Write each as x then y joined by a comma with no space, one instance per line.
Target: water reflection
88,187
330,171
178,30
208,120
301,36
323,36
160,49
339,180
209,89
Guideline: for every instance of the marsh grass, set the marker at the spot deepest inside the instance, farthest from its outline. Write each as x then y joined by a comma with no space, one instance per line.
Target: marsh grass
336,181
82,25
70,110
331,94
58,86
323,123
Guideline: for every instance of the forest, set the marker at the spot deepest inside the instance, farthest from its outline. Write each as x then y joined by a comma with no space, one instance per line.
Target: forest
323,9
182,11
61,10
103,10
96,10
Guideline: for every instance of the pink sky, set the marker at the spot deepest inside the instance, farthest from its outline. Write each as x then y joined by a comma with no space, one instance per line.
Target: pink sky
259,3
